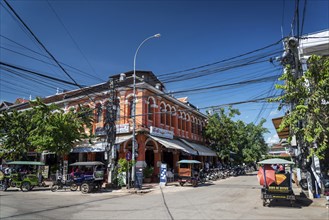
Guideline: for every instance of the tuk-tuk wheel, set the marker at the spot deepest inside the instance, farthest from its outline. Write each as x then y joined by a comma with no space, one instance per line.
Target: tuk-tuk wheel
181,183
85,188
26,186
74,187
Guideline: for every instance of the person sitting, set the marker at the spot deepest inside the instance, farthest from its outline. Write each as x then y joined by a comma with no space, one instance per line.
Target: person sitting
170,176
281,169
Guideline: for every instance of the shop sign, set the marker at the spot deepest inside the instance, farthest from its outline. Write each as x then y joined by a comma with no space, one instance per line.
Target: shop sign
32,154
100,131
128,156
161,132
122,128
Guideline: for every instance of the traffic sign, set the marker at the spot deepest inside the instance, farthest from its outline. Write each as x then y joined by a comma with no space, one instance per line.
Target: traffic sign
128,156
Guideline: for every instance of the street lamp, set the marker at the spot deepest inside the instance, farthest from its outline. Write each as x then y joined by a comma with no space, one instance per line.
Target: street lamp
134,104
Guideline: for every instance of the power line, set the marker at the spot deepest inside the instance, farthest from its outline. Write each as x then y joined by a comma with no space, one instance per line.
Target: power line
207,72
70,35
77,70
224,60
40,43
38,74
303,18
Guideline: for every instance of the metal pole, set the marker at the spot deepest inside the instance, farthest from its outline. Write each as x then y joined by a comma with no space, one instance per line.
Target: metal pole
134,107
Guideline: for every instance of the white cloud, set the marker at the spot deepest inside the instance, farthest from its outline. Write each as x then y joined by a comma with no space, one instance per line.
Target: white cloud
273,139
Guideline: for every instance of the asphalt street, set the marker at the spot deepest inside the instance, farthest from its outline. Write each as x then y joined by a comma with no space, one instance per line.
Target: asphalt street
232,198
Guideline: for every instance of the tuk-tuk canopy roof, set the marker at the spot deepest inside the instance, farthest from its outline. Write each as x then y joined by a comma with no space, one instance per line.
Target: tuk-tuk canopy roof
26,163
189,161
275,161
87,163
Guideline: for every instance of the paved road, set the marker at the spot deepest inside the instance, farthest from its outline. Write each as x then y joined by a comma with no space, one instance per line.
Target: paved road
232,198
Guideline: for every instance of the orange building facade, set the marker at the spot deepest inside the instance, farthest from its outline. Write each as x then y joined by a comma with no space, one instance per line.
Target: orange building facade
167,129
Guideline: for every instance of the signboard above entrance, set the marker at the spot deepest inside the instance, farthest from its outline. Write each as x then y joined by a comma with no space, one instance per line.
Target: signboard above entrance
161,132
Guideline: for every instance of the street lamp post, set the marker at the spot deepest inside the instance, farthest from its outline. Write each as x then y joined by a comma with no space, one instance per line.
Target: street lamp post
134,105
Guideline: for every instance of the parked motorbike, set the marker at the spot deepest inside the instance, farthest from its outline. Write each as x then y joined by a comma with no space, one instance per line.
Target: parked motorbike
64,184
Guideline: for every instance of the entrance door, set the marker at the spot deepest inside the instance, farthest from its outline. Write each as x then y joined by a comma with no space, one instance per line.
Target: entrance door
149,157
168,159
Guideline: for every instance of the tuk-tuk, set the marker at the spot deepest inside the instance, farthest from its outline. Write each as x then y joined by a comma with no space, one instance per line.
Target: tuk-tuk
187,172
24,175
90,175
275,175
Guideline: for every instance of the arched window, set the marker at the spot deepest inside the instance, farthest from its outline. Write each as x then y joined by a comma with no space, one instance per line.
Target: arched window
199,128
179,115
168,115
193,126
130,107
173,115
99,113
163,114
150,109
118,109
183,122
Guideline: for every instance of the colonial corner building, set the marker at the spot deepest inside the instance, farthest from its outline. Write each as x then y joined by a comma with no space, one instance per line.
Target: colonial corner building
168,129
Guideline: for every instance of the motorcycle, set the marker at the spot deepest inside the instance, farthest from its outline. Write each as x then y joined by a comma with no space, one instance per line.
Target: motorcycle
60,183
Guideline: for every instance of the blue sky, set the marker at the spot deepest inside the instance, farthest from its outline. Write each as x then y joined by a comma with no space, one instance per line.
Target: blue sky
99,38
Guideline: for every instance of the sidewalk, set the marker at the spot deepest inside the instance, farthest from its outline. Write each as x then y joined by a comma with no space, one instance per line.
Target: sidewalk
302,197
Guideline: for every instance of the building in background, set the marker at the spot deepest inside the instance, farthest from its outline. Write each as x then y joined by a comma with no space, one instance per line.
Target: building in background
167,129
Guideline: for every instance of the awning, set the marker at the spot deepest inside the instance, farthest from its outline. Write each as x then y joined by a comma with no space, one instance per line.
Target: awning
285,132
87,163
26,163
123,138
99,146
174,144
202,150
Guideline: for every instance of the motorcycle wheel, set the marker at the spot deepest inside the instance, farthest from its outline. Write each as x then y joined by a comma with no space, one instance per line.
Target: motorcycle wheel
54,188
303,184
74,187
26,186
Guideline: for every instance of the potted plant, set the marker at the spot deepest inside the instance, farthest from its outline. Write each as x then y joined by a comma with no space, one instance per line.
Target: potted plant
147,174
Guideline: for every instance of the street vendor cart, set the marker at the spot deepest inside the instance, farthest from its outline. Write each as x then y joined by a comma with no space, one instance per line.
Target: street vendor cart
276,182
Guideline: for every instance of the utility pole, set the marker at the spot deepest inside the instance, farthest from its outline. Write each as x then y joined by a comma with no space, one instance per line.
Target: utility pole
292,57
110,128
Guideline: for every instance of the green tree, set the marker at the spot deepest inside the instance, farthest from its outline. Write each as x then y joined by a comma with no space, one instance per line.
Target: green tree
44,127
57,131
221,130
254,145
15,131
243,142
310,95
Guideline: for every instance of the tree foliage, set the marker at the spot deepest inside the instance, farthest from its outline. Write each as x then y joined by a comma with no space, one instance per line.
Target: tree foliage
309,118
15,131
229,138
43,128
